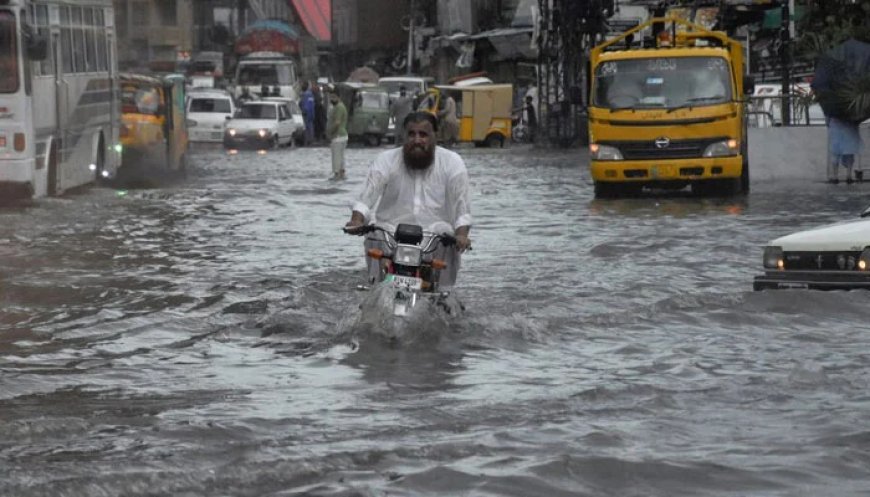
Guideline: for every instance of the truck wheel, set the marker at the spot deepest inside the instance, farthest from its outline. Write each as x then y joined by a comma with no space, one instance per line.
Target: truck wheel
607,190
744,177
494,140
716,187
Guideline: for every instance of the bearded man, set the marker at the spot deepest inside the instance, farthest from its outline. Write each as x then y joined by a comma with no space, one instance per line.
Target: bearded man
418,183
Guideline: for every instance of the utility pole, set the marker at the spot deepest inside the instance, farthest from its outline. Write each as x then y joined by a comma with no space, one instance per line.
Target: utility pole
412,21
785,60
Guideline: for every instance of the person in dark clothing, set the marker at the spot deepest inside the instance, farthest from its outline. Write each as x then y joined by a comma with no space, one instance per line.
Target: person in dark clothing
319,114
531,117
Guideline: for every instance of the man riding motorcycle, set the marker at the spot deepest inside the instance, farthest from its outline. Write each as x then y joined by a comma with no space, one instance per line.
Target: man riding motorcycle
420,184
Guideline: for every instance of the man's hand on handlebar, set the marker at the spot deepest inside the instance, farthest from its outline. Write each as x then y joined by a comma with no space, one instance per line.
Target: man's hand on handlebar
462,243
356,225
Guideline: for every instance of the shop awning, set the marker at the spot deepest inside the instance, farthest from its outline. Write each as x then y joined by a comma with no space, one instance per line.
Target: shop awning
510,43
316,16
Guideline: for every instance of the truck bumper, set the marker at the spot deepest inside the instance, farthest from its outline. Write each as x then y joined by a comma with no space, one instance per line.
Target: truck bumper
812,280
647,171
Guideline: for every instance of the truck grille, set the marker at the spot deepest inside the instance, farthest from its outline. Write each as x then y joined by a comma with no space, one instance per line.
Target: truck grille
820,261
676,149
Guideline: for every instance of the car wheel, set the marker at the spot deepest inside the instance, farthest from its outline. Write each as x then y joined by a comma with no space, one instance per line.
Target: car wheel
275,142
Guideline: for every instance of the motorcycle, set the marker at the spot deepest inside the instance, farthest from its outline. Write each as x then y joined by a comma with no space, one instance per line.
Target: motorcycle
409,273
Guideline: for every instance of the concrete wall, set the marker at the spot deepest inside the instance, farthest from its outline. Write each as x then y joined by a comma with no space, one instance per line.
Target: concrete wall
798,152
788,153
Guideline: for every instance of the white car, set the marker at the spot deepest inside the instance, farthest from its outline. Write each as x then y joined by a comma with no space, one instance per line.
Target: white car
296,112
260,124
207,113
835,256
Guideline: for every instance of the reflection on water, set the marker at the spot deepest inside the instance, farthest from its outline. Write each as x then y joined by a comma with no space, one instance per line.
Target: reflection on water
208,335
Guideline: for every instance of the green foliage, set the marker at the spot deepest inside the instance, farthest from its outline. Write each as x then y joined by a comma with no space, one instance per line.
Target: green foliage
856,94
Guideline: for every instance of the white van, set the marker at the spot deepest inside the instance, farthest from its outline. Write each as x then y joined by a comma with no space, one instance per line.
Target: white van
207,113
271,71
414,85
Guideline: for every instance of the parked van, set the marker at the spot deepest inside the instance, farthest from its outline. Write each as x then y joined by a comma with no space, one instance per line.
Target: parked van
414,85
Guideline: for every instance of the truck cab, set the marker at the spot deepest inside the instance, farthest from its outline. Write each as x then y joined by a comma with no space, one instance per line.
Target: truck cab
266,74
668,115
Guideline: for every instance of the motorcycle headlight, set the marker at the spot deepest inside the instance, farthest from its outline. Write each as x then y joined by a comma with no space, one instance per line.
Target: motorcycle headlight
773,258
407,255
231,131
263,133
604,152
864,260
724,148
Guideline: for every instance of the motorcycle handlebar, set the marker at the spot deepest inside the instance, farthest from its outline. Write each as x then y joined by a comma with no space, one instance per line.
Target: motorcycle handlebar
446,239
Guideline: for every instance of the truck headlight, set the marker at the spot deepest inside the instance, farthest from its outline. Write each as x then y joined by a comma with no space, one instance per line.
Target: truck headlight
604,152
864,260
773,258
724,148
231,131
263,133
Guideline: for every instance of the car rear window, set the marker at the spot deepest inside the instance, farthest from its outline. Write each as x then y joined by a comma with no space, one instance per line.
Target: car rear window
221,105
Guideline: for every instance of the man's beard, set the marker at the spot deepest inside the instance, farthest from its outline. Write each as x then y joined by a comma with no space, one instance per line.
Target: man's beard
417,156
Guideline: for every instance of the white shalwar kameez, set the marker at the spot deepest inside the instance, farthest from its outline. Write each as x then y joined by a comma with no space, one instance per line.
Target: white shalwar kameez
436,198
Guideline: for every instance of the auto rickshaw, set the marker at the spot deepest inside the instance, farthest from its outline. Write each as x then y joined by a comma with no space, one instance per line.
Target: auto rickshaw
153,125
368,111
484,112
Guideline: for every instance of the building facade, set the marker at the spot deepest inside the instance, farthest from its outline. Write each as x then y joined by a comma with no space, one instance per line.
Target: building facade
155,32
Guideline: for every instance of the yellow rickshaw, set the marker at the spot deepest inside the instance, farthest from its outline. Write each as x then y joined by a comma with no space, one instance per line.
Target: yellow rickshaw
484,112
154,126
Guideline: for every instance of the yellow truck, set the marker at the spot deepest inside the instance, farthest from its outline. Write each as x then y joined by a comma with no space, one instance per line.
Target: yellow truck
669,114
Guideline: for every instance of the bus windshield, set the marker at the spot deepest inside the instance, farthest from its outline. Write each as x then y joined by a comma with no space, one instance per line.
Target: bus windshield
8,53
662,82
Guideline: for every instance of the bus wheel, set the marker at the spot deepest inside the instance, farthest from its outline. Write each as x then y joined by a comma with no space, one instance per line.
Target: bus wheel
51,187
494,140
100,162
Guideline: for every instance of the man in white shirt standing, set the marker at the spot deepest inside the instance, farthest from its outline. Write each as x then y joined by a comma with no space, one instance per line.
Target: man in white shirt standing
419,183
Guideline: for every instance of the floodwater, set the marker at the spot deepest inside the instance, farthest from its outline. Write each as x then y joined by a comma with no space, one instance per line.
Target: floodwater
200,339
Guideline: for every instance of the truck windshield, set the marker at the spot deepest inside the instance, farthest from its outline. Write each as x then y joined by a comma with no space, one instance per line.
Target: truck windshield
8,53
662,82
265,74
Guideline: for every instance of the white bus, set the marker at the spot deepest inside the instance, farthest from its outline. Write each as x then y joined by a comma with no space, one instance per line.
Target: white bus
59,111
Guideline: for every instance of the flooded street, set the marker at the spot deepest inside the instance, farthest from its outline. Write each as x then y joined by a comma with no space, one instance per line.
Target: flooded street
200,339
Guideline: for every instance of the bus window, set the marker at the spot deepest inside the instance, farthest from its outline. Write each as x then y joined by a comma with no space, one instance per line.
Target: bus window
8,50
